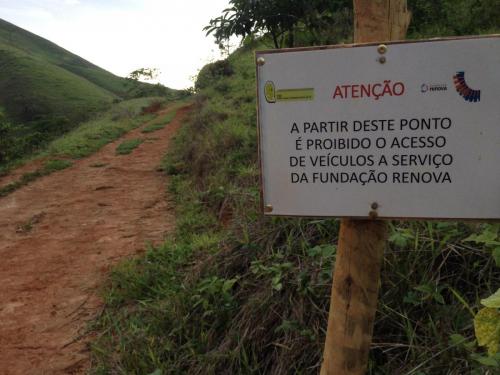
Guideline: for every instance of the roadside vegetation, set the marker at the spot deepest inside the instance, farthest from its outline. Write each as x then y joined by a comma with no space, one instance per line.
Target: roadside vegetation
159,123
92,135
126,147
48,167
86,139
234,292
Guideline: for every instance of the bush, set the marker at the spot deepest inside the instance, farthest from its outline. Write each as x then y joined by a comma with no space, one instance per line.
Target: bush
212,72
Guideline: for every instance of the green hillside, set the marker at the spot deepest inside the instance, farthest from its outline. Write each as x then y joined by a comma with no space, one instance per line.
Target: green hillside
44,50
33,89
46,91
39,79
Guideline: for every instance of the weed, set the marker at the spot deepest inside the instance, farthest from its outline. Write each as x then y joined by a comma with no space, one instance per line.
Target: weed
126,147
56,165
48,168
9,188
159,123
28,225
152,128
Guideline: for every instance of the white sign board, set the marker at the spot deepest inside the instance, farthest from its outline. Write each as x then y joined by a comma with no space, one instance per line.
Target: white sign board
407,131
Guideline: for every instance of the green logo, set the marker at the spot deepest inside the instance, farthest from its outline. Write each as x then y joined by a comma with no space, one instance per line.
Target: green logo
270,92
287,95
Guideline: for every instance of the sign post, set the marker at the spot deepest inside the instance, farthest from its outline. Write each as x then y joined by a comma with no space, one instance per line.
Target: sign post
360,251
369,132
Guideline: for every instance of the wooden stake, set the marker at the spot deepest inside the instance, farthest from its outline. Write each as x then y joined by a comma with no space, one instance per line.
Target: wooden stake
354,296
361,245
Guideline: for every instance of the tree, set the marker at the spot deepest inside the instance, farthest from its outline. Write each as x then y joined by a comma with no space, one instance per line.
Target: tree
312,22
280,19
454,17
146,74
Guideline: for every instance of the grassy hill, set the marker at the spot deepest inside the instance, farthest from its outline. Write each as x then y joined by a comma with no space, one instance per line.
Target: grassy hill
50,52
33,89
44,50
46,90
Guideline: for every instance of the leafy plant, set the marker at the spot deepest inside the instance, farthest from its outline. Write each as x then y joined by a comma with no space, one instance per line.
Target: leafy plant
490,239
281,19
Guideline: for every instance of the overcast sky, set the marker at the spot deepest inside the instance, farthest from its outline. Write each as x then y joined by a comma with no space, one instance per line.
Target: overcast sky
124,35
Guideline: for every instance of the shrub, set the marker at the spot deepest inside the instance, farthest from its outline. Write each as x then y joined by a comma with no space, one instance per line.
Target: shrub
212,72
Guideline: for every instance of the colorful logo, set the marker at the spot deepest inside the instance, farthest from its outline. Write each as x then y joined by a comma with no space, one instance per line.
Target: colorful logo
464,90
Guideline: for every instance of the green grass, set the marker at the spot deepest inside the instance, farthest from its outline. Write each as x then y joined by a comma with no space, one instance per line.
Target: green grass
31,88
49,167
56,165
160,123
41,101
92,135
236,293
128,146
45,51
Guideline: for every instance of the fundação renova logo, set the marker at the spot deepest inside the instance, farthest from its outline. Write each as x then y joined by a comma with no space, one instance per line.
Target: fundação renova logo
464,90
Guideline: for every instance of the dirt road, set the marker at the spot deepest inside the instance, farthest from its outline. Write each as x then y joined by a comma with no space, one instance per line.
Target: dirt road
58,238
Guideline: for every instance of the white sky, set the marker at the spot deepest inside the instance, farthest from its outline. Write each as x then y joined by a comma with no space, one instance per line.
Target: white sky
124,35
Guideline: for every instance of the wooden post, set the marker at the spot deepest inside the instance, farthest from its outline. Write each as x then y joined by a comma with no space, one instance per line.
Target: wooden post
361,242
354,296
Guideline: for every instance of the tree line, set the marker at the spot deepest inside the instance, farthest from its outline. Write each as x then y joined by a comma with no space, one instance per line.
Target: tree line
291,23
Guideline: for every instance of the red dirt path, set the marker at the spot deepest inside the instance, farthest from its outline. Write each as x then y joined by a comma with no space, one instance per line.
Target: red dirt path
82,220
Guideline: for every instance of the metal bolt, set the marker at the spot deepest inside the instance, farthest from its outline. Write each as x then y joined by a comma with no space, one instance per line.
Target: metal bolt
382,49
261,61
374,205
382,59
268,208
